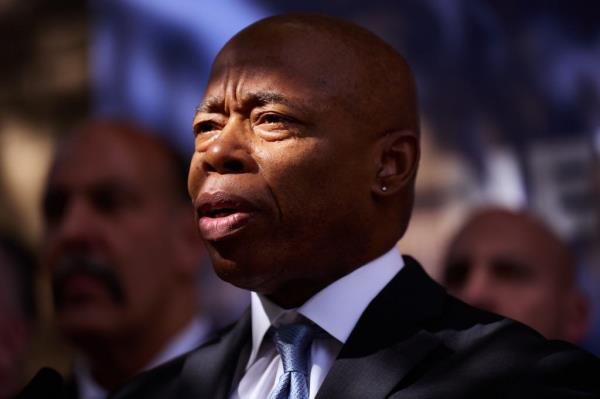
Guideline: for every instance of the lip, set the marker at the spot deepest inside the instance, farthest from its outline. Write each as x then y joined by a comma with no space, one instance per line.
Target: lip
222,214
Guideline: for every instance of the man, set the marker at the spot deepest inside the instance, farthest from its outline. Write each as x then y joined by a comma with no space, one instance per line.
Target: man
123,252
512,264
16,312
302,179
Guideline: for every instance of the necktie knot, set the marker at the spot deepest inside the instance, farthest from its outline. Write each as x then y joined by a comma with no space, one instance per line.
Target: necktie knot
293,343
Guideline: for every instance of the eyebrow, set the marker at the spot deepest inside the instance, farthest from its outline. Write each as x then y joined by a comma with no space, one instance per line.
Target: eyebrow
210,105
259,98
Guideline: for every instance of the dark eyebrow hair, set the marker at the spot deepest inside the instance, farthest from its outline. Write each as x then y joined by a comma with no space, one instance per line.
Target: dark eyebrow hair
267,97
259,98
210,105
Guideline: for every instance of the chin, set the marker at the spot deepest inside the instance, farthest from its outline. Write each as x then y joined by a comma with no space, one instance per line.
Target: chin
250,263
247,275
80,326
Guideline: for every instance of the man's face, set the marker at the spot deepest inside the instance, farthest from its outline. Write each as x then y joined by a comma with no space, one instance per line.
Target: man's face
281,173
107,237
504,266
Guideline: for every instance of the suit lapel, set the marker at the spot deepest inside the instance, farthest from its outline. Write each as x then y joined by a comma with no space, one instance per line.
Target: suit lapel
209,371
389,341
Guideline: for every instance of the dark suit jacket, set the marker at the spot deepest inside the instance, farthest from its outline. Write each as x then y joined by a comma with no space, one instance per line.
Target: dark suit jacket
413,341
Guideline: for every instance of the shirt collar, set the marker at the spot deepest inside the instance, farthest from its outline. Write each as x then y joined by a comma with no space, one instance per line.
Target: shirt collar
336,308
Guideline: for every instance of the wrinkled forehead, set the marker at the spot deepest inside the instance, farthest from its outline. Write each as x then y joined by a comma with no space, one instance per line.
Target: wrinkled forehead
282,53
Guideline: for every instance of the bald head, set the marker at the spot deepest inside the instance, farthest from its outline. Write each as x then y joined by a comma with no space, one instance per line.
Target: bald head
352,66
521,230
513,264
312,122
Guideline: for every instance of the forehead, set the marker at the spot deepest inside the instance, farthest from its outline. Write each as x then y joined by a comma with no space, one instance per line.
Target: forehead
303,65
508,237
96,156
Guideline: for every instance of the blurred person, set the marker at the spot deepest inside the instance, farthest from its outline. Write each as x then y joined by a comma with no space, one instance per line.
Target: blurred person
123,252
511,263
16,312
303,175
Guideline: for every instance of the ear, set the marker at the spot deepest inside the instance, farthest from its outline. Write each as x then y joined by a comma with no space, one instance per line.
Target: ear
397,158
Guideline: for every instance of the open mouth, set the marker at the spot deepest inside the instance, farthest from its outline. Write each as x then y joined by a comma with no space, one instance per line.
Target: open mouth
221,214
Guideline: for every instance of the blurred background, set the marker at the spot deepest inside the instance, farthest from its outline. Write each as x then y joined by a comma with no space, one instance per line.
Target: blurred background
509,93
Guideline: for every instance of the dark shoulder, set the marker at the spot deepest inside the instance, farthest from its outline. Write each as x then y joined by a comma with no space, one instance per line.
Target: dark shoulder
159,382
165,380
562,370
502,355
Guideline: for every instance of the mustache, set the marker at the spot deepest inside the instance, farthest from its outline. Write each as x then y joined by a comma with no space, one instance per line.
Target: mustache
89,265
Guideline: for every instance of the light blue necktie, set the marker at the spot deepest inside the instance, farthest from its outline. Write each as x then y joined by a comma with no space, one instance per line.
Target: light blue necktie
293,343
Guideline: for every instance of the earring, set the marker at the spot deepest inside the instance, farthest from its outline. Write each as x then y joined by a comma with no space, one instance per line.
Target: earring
384,188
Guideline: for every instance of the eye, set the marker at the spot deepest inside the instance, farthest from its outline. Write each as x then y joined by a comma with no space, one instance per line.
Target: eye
456,274
512,270
54,204
272,118
111,199
205,127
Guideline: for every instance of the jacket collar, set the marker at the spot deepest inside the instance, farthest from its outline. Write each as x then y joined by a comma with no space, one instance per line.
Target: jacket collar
209,371
390,339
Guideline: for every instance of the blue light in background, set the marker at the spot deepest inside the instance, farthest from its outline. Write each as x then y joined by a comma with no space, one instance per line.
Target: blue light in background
150,59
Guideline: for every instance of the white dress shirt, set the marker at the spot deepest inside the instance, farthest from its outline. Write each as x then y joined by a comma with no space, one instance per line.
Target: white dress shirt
335,309
190,337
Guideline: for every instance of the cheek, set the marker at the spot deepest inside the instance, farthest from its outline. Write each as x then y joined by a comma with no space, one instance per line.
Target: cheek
146,281
195,176
530,301
312,190
146,251
298,177
309,166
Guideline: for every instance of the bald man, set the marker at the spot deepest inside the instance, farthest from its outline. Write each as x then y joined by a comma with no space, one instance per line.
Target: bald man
123,252
512,264
307,145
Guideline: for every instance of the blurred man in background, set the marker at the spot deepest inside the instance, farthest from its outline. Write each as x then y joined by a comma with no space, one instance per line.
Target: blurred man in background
123,252
511,263
16,312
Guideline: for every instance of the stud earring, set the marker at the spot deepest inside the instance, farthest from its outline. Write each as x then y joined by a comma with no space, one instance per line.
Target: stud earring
384,188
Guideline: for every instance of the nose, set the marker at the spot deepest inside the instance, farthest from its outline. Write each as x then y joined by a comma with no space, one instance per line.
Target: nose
230,151
74,228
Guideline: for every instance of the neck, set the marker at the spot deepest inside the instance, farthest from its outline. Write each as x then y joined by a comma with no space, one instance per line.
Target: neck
295,292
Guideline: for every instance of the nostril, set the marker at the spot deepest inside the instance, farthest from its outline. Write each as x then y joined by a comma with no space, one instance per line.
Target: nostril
207,167
233,165
223,157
